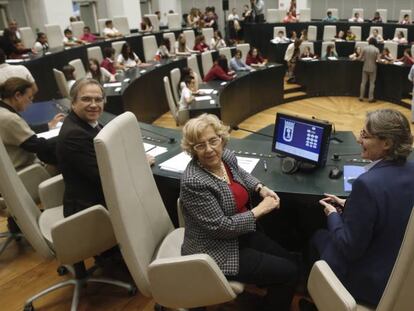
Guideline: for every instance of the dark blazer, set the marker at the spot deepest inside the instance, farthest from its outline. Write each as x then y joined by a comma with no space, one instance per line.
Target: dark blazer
77,162
212,225
363,243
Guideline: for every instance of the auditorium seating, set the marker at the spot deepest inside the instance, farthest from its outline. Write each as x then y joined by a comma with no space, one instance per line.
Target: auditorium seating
117,45
362,44
175,77
325,45
357,31
54,35
80,72
226,52
404,30
312,33
154,21
173,21
150,47
27,36
306,44
384,14
208,34
392,46
171,37
95,52
334,12
277,29
206,61
193,64
121,23
305,15
245,48
358,10
329,32
61,83
275,15
77,28
379,28
101,25
189,38
403,12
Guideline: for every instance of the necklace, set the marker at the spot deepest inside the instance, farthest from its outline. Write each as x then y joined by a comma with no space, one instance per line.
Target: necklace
223,172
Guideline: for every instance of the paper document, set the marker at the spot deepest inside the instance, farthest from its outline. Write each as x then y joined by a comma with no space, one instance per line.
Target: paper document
248,164
206,91
306,58
398,63
223,83
351,172
148,147
332,58
49,134
112,84
201,98
177,163
157,151
14,61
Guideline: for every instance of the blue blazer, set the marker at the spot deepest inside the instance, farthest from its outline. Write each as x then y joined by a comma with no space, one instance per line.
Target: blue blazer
363,243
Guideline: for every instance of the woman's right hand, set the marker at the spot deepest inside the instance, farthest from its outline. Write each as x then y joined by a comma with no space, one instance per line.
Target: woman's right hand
330,198
267,205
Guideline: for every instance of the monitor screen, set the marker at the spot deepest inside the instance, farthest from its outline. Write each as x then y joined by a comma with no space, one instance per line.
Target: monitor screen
303,139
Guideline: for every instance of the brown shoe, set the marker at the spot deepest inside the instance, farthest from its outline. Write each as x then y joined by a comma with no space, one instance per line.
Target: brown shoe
372,101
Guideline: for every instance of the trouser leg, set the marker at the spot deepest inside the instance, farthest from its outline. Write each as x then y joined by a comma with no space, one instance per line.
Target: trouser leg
363,84
412,106
372,78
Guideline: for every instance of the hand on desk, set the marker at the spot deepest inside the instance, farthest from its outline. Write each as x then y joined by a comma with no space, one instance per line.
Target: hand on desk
266,206
332,203
150,159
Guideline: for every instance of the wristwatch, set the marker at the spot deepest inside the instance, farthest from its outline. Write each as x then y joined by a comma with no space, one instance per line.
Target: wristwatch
259,187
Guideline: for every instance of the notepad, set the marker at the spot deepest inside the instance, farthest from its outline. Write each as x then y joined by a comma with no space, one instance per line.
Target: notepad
201,98
157,151
51,133
143,71
177,163
118,89
112,84
351,172
306,58
332,58
248,164
206,91
398,63
148,147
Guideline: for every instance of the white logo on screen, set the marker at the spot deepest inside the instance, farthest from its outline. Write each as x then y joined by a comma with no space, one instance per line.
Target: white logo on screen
288,131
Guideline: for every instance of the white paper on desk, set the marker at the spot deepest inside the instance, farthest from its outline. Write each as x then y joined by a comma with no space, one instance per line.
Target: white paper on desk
14,61
248,164
113,84
332,58
206,91
157,151
49,134
223,83
201,98
148,147
177,163
306,58
398,63
142,71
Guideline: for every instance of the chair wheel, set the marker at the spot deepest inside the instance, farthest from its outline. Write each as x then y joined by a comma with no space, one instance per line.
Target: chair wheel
158,307
29,307
61,270
132,291
18,239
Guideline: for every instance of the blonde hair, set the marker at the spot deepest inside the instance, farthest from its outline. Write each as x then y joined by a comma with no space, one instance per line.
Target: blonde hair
195,127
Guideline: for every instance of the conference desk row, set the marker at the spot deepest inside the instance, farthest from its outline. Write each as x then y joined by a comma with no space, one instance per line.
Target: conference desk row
259,35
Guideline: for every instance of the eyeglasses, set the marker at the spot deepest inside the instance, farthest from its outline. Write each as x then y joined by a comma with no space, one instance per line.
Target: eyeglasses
89,99
364,135
212,142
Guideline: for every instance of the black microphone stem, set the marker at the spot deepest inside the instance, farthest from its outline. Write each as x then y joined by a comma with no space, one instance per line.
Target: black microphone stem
236,128
171,140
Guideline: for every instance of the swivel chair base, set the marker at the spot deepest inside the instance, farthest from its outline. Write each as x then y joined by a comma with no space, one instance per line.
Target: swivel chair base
79,283
9,236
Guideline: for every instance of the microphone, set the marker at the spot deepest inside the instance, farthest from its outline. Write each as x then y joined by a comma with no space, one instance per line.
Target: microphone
171,140
236,128
337,156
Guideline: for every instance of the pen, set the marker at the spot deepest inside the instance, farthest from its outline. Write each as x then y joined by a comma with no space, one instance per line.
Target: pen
265,165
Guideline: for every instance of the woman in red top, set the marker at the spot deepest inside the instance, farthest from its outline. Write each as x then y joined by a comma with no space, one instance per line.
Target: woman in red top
220,71
407,58
254,58
200,44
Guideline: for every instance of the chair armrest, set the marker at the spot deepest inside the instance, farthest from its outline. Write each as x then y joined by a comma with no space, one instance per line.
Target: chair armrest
51,191
31,177
188,282
83,235
327,291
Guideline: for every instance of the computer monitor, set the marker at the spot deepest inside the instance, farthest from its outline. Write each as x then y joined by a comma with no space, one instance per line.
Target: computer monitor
305,140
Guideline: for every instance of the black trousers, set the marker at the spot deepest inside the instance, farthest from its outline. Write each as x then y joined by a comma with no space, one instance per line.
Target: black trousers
265,263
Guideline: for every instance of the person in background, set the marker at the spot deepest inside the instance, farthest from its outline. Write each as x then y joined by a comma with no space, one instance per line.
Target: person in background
292,55
233,16
110,31
330,52
407,58
254,59
356,18
193,19
8,45
280,38
99,73
127,58
216,196
14,29
257,10
329,17
362,242
146,25
88,36
200,44
350,36
400,38
411,78
210,19
377,18
340,36
217,42
292,7
304,35
75,150
357,53
237,63
405,20
69,40
163,51
109,61
293,36
186,97
289,18
181,48
247,13
41,45
386,56
69,73
370,56
20,140
375,34
220,70
307,53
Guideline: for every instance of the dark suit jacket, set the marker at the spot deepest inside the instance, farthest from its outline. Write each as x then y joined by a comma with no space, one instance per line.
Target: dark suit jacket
212,225
362,244
77,162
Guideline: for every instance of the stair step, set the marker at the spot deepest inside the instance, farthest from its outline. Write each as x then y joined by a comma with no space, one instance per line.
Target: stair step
295,89
406,101
294,94
289,86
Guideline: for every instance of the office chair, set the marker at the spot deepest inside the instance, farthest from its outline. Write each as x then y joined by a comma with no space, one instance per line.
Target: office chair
154,21
329,294
175,76
95,52
54,36
61,83
121,23
148,242
189,38
171,37
275,15
305,15
180,116
174,21
80,72
71,239
28,37
150,47
206,62
77,28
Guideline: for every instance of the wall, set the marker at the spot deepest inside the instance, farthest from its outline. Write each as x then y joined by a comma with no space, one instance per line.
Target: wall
17,12
37,14
129,8
165,5
58,12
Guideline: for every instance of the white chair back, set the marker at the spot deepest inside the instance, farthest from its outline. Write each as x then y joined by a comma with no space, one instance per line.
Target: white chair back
334,12
175,76
305,15
307,44
95,52
312,33
101,25
357,31
189,38
226,52
174,21
121,23
154,21
206,61
80,72
358,10
54,35
117,45
324,46
384,14
77,28
329,32
277,29
61,83
245,48
392,46
170,99
27,36
379,28
171,37
404,30
362,44
275,15
403,12
193,64
208,34
150,47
